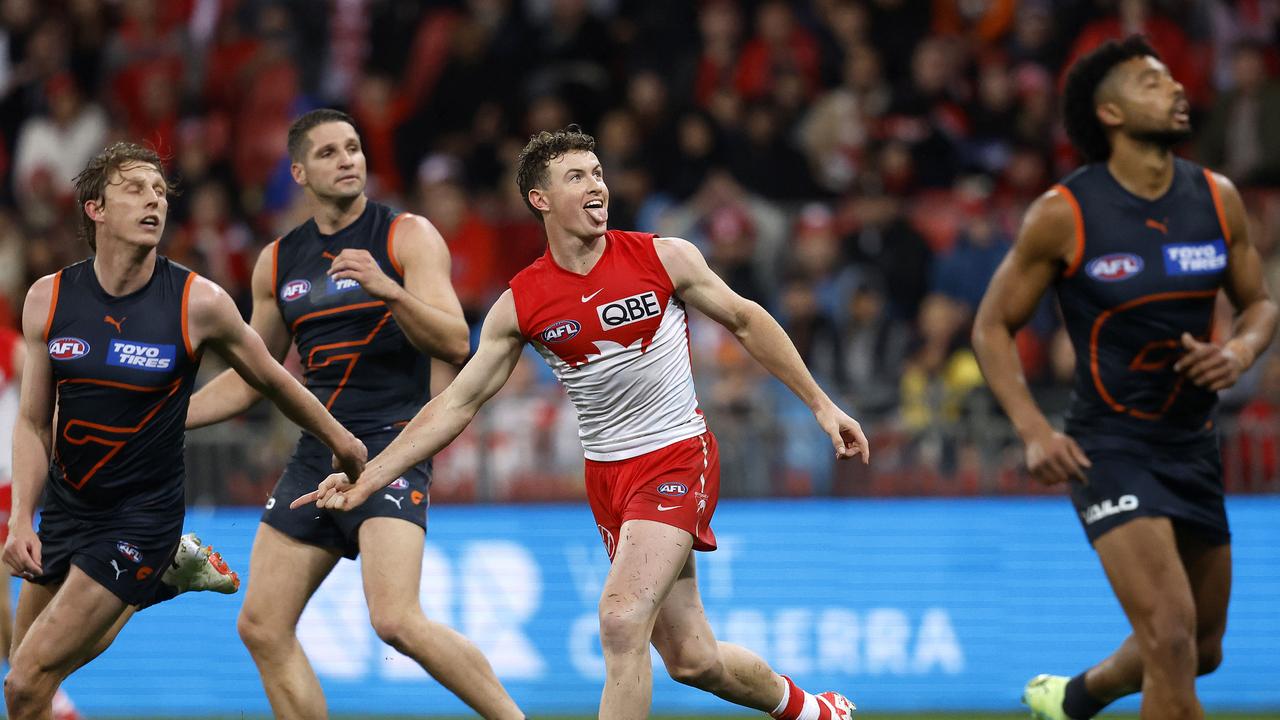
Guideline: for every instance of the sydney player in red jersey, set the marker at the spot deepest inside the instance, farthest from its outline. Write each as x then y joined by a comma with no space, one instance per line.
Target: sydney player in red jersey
606,311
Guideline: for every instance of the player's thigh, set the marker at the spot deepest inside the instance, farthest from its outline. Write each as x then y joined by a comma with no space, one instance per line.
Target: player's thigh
71,625
391,564
1208,567
33,598
1144,567
283,575
681,629
650,557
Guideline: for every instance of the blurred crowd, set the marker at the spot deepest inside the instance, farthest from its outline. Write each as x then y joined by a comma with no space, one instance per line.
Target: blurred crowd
859,167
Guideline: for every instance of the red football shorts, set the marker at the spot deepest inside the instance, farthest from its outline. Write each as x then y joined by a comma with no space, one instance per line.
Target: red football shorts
6,506
677,485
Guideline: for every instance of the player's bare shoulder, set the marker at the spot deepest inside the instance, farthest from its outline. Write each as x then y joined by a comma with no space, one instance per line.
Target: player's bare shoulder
40,298
210,312
1232,205
682,259
1052,229
502,322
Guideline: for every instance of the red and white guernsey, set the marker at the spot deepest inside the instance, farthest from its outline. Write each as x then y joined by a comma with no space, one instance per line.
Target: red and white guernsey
618,339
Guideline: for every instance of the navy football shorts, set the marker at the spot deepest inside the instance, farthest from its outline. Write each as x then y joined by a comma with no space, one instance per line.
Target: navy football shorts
126,554
405,498
1183,484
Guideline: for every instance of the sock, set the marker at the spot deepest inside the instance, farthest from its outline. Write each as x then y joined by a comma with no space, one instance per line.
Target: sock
1077,703
799,705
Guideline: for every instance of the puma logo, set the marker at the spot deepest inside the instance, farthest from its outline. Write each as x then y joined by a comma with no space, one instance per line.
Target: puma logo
396,500
1157,225
119,570
115,323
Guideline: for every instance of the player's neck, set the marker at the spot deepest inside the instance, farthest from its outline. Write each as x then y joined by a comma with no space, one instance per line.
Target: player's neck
573,253
122,268
1143,169
332,216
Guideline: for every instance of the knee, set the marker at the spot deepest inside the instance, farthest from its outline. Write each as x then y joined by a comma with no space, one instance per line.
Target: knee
260,635
695,664
1208,655
1167,634
27,688
392,628
623,630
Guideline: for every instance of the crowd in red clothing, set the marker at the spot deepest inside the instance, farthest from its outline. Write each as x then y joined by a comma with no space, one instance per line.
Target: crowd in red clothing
858,166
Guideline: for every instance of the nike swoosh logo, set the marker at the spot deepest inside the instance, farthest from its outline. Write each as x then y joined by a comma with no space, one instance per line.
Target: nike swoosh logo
586,298
664,508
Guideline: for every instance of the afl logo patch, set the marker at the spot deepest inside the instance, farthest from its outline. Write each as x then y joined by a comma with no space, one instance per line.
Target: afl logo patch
129,551
295,289
68,348
672,489
399,484
560,331
1114,267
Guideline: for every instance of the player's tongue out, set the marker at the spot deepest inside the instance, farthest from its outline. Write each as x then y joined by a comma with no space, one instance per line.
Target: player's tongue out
597,211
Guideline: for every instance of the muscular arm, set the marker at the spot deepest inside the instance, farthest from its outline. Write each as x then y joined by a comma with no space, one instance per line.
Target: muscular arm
1044,245
426,307
761,335
1217,368
228,395
215,323
32,431
442,419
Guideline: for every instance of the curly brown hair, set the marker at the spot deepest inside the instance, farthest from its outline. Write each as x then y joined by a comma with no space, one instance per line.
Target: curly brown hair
531,170
91,183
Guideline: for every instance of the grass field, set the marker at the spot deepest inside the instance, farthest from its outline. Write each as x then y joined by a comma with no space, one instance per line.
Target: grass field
860,716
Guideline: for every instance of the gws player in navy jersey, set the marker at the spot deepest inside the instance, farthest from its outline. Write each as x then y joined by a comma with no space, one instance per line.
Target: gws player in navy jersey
113,344
364,293
1137,245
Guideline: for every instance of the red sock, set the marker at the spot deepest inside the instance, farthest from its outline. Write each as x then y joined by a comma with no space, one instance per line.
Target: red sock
799,705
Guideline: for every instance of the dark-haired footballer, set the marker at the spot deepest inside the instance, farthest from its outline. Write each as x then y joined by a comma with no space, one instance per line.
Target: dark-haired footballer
1137,245
606,310
363,291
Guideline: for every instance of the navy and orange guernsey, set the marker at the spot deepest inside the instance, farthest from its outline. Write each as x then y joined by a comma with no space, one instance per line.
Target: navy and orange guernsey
355,358
1143,273
124,368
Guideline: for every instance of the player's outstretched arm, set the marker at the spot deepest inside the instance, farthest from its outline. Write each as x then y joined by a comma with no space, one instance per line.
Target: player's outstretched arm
426,307
1218,367
228,395
762,336
439,421
1045,244
32,432
214,322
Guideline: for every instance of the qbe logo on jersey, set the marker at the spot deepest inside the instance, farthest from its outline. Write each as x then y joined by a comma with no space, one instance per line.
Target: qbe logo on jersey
1201,258
67,348
141,356
616,313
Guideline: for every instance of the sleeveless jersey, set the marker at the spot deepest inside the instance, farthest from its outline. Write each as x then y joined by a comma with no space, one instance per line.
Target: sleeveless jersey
355,358
1144,272
618,339
124,368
